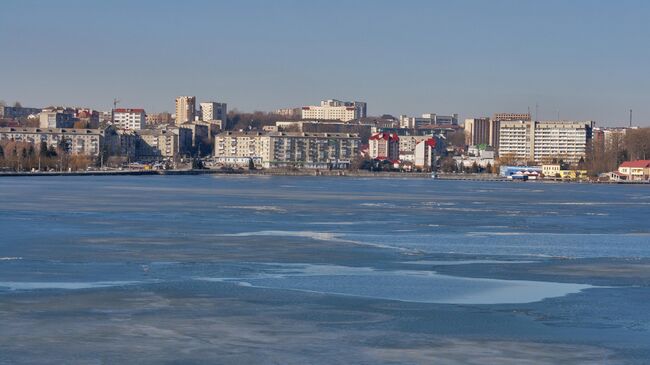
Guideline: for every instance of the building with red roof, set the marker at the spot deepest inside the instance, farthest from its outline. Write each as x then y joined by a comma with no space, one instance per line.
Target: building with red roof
635,170
384,146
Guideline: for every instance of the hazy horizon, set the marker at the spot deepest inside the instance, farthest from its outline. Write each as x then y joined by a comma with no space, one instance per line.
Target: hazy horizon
583,59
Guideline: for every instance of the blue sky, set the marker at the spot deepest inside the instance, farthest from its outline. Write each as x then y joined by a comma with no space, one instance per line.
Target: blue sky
586,59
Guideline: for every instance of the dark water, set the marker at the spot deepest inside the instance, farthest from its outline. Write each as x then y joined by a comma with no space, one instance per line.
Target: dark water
196,269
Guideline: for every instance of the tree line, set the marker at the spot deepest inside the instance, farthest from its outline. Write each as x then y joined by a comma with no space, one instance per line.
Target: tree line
24,156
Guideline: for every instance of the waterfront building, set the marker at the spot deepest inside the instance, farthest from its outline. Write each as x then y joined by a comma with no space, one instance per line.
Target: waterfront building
520,172
185,109
638,170
238,144
290,149
384,146
425,154
495,125
545,140
76,141
120,142
335,110
57,117
214,111
407,144
428,119
555,171
477,131
201,142
171,142
482,157
132,119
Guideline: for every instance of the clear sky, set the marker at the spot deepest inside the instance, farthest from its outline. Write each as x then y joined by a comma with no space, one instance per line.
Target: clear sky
586,59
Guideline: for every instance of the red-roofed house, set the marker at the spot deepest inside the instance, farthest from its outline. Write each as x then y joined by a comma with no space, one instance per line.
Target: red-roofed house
635,170
384,146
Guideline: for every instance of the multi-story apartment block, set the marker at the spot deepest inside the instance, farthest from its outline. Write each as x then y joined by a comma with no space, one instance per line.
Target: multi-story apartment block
200,137
425,154
120,142
407,144
214,111
289,112
495,125
511,117
427,119
12,112
57,118
384,146
335,110
477,131
159,118
238,144
185,109
282,149
316,150
132,119
545,140
76,141
171,142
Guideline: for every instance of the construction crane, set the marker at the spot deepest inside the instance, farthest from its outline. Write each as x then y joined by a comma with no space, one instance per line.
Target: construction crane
115,101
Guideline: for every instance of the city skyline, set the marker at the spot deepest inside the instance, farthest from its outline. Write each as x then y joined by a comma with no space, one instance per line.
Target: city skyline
581,59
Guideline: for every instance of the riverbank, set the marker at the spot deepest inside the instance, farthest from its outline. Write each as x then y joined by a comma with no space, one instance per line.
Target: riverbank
332,173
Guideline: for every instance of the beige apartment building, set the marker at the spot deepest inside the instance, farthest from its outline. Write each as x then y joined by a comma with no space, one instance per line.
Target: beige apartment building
214,111
185,109
335,110
545,140
289,149
78,141
172,142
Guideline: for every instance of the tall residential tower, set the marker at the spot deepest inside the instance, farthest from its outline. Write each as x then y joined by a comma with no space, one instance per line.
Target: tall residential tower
185,109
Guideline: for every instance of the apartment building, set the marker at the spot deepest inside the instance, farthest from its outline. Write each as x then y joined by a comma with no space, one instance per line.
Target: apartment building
214,111
131,119
511,117
542,141
427,119
170,142
335,110
407,144
477,131
384,146
185,109
12,112
284,149
76,141
57,118
425,154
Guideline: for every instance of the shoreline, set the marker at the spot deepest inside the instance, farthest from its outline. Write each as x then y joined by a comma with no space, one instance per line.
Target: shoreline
325,173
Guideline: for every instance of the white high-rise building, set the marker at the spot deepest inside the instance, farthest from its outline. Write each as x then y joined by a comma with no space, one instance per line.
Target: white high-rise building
133,119
335,110
542,141
427,119
214,111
